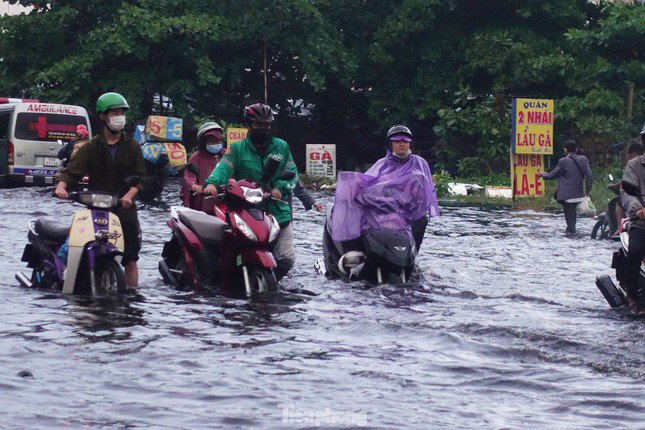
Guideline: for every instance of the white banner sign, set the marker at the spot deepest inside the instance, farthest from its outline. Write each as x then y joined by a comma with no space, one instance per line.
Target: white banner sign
321,160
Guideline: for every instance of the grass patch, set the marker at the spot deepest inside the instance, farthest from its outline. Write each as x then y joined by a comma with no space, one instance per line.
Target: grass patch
314,181
600,194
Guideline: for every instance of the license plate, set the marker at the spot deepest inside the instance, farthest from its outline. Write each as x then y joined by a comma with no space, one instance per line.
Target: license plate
50,162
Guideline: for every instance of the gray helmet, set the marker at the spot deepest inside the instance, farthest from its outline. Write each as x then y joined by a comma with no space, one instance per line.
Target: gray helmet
206,127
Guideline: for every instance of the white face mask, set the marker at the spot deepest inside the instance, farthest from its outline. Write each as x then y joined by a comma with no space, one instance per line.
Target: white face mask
116,123
408,152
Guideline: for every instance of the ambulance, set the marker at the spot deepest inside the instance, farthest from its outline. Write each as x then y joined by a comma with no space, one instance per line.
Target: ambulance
31,134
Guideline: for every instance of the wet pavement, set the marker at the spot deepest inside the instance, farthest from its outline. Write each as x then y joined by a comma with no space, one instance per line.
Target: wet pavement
506,329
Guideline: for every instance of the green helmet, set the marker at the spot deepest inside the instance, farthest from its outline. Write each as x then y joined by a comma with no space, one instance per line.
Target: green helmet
111,101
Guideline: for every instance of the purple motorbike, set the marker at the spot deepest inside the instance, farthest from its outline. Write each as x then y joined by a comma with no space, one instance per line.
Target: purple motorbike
82,258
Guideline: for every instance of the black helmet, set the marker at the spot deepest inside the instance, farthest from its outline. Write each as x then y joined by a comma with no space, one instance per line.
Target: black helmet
258,112
398,130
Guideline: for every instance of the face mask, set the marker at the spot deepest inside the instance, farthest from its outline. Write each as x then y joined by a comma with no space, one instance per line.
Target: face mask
402,155
259,136
116,123
214,149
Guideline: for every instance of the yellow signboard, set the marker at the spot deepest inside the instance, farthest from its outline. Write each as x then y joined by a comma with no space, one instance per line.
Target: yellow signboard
526,182
532,126
235,134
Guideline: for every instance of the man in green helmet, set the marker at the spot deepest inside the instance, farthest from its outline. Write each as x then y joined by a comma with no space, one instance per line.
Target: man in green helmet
108,158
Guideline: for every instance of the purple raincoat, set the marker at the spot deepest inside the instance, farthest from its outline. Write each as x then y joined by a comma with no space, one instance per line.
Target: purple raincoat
391,195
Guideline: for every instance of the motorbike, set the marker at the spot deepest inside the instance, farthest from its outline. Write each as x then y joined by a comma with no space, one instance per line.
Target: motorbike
228,247
82,258
607,223
618,297
378,256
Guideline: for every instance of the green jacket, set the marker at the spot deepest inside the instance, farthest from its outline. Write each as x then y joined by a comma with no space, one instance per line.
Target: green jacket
94,159
242,161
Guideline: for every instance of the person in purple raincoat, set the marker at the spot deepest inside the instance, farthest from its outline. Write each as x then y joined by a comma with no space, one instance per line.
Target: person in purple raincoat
396,193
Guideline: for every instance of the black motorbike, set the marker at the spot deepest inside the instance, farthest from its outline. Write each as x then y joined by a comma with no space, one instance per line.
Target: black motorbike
607,223
377,256
619,296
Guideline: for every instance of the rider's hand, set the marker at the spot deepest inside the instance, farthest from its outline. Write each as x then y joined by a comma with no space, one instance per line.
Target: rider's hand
126,202
61,192
641,213
197,189
276,194
210,189
319,206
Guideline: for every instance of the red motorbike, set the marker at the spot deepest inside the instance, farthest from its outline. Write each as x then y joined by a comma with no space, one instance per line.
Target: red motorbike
228,247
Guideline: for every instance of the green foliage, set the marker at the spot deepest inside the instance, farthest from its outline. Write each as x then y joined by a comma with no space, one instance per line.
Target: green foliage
452,66
441,180
476,133
315,181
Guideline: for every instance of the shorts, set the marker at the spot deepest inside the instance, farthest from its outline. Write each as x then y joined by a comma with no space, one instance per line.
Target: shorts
131,234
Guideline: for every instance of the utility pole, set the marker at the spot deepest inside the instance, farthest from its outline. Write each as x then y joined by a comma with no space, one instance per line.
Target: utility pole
630,101
266,87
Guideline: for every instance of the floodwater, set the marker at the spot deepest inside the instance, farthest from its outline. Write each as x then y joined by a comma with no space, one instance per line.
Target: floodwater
505,330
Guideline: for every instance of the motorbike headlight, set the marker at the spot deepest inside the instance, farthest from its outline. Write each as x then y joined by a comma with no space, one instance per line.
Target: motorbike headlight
244,227
253,195
101,201
275,228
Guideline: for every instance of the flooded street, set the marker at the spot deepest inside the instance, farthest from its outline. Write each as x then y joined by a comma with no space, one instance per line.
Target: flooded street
506,330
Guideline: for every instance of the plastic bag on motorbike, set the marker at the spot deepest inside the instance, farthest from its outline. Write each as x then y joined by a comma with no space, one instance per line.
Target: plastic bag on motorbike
586,207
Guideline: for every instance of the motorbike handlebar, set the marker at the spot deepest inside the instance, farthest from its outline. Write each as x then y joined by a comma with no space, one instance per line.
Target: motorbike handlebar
72,195
219,196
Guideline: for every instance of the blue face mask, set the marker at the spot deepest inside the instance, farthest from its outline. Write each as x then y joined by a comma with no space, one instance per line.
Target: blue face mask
214,149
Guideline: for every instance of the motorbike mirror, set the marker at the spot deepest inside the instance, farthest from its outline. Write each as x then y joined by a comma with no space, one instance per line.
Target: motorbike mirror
631,188
286,175
193,168
611,177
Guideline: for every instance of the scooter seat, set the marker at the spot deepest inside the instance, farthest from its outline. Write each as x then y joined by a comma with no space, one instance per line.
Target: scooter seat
208,228
51,229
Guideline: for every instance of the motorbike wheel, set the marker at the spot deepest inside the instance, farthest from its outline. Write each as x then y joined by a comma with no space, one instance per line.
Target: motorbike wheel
110,279
601,229
327,256
262,280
